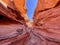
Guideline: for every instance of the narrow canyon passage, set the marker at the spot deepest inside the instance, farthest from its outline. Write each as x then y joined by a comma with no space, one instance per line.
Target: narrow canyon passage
45,29
30,5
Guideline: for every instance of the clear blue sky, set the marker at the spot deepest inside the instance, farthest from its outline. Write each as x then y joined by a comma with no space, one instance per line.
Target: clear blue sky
30,5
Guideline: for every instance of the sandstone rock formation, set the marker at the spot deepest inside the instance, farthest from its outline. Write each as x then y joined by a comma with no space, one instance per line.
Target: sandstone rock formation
14,24
19,7
47,21
45,4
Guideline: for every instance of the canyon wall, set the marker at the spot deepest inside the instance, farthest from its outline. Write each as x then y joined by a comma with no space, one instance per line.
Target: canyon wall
12,23
15,27
46,21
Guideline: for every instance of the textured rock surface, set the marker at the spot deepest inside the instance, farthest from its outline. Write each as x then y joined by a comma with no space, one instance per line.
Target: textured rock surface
45,4
45,29
12,25
47,22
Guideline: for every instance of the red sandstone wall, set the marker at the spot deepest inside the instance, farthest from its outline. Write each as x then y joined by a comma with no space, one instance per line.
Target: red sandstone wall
44,30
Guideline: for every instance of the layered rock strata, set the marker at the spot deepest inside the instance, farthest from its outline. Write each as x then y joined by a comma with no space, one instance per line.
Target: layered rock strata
45,29
46,21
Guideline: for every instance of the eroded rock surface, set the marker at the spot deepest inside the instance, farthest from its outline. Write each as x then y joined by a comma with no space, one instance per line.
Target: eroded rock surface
14,25
47,21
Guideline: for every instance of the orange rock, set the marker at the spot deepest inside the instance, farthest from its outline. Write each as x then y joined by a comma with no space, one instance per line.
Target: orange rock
20,5
47,22
44,30
7,3
45,4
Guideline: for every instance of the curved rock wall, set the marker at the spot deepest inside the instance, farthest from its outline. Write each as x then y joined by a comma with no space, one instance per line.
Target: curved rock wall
46,21
44,30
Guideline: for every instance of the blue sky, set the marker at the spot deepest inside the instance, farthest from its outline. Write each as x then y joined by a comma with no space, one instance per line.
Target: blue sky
30,5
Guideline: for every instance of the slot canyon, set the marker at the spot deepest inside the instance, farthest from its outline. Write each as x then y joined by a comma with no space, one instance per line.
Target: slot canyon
16,28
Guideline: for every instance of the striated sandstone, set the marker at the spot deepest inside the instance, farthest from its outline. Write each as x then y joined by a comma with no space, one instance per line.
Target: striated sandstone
45,4
15,29
46,22
12,25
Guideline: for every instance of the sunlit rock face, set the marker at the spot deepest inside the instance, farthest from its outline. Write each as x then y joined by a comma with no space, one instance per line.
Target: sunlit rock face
19,7
45,4
14,24
46,21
